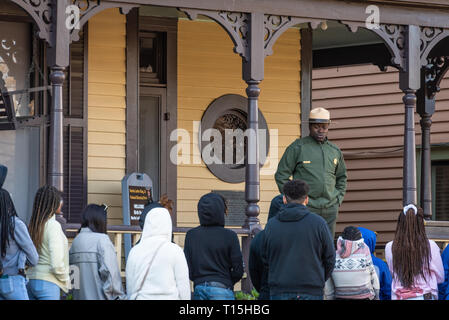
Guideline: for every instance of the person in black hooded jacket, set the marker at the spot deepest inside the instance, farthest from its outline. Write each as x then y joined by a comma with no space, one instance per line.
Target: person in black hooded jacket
213,252
297,248
257,270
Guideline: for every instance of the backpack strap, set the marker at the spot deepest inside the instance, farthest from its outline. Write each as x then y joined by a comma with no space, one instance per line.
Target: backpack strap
148,269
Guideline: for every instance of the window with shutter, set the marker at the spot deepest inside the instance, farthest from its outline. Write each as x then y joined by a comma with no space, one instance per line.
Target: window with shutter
441,172
75,132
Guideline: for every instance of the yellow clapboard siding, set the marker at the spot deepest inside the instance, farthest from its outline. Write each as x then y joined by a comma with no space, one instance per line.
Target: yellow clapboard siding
106,110
116,90
107,101
116,61
106,138
102,162
105,187
109,199
107,113
201,80
114,213
112,77
110,40
107,125
105,174
107,151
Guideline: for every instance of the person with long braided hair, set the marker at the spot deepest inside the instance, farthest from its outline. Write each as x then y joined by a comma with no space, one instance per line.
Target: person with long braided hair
16,248
51,274
414,260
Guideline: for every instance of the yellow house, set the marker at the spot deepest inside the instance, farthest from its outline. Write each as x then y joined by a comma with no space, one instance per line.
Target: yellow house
206,69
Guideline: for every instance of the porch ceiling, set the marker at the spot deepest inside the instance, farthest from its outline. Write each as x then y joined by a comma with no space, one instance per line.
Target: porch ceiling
337,35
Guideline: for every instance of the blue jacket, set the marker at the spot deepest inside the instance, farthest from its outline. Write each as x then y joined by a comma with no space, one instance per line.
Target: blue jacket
381,266
443,288
21,250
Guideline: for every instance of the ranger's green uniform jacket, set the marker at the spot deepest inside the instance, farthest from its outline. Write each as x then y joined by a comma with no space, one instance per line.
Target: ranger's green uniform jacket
321,165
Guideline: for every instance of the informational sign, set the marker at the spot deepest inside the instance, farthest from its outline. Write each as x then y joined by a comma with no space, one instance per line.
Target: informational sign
137,192
236,207
139,197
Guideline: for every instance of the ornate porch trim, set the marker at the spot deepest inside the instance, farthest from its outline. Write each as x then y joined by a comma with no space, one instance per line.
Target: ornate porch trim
236,24
89,8
392,35
41,12
44,15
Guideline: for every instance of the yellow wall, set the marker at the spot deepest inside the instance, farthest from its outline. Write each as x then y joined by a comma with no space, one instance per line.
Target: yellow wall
107,110
207,69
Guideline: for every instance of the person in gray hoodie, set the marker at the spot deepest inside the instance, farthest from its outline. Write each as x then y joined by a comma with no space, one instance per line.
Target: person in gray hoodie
93,259
16,248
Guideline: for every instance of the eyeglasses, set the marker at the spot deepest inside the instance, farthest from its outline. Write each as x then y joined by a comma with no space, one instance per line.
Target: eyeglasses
105,207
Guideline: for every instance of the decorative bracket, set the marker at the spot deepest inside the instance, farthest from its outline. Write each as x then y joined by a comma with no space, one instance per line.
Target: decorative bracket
394,38
42,12
89,8
275,26
430,37
434,72
392,35
236,24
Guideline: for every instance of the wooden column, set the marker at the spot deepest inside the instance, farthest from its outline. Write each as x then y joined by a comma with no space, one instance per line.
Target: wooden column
55,159
431,76
58,60
409,82
253,73
425,107
306,79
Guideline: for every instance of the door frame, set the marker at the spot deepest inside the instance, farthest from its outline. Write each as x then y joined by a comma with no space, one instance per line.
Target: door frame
134,25
160,93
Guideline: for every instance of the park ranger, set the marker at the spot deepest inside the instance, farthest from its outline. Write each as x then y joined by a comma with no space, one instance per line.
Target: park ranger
320,163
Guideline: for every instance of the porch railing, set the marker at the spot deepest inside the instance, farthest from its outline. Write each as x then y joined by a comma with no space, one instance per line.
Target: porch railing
116,233
438,231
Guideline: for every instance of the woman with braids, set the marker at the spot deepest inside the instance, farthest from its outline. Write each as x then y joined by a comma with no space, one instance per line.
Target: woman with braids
94,256
51,274
414,261
16,248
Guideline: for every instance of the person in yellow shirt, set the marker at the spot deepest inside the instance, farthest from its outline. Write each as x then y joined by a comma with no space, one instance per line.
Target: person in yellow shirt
51,274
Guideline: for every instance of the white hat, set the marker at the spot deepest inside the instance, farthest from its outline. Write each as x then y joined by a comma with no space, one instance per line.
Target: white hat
319,115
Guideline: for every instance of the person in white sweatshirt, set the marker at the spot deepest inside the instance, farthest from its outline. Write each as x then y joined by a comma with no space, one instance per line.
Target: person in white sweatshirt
157,268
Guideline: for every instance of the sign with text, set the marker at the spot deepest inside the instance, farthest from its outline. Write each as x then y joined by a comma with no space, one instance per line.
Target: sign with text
137,192
139,197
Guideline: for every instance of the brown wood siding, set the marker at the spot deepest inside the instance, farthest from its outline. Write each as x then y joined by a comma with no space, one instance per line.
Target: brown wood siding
368,125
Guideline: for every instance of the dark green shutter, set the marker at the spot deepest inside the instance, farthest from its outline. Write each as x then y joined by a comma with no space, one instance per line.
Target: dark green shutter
75,133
